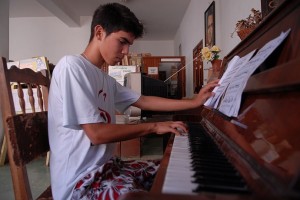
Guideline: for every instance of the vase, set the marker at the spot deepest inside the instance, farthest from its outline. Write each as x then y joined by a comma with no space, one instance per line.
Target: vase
216,65
215,70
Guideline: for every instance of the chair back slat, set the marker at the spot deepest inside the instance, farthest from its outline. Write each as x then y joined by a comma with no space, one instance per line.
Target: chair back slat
40,98
21,97
31,98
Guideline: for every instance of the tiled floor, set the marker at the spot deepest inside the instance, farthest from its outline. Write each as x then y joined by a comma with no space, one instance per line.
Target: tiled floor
39,175
39,178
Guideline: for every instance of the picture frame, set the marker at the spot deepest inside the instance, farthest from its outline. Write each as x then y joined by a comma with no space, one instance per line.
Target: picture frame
152,70
209,25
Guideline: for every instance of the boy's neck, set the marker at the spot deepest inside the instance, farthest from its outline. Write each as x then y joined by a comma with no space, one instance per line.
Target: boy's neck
93,55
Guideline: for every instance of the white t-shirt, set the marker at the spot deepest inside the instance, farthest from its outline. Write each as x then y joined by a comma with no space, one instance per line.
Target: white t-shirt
80,93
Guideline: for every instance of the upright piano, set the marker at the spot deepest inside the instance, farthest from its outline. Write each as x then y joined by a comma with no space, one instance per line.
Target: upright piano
255,155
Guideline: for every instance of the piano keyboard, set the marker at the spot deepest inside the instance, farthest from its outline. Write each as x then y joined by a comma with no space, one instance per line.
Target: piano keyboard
197,165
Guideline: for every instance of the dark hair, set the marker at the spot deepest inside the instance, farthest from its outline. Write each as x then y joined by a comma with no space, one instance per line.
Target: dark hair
115,17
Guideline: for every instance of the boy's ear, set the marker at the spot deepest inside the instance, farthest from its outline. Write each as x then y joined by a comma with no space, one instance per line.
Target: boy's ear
99,32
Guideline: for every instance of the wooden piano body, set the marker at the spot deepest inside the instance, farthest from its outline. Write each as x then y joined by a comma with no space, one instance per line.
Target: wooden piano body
263,142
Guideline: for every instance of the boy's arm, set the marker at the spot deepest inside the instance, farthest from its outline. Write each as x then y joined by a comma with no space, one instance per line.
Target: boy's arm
162,104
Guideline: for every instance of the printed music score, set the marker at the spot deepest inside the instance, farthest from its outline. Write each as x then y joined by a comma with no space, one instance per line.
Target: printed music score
227,98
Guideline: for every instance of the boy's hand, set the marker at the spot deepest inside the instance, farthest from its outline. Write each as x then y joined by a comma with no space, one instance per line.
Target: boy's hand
206,92
176,127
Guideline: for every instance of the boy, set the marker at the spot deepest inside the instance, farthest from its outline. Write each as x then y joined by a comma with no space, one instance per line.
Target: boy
81,114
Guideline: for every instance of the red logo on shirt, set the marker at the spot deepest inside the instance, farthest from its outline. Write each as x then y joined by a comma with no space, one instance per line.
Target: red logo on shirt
104,114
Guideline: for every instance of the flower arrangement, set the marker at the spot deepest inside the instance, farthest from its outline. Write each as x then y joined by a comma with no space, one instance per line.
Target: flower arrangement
246,26
210,54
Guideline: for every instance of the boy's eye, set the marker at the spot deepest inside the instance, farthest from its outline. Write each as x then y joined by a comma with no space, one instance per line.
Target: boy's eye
122,42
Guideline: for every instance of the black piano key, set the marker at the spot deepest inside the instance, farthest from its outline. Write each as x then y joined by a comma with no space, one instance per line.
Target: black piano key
221,189
220,182
215,173
212,166
223,169
204,159
208,163
215,158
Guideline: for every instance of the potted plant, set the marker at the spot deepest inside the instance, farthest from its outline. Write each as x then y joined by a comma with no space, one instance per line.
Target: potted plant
245,26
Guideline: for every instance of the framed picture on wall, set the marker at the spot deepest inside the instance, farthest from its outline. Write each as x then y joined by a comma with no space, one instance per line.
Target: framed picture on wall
209,22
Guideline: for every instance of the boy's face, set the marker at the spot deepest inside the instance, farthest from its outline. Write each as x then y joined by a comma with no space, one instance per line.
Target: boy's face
114,46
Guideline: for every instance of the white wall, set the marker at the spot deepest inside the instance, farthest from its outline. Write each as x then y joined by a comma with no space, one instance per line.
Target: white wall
156,48
4,24
4,35
191,30
48,36
189,34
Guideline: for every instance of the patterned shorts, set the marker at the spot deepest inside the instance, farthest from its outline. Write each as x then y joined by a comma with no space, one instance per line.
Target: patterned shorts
115,178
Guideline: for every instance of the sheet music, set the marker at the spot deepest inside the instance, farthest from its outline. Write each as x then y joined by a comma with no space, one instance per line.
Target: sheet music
219,89
233,67
230,101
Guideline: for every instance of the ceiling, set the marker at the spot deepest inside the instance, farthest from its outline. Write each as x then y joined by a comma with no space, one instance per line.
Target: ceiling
161,18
